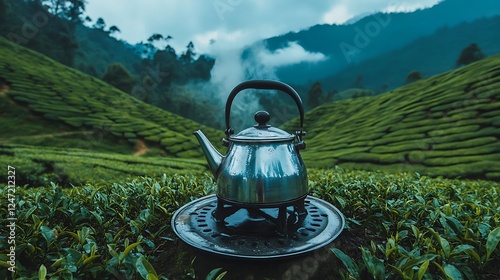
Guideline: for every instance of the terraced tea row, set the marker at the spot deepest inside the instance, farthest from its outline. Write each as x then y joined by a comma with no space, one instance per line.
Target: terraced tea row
40,165
446,125
63,94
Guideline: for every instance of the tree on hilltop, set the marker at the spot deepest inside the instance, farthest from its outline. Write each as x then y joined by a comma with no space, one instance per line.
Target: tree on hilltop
470,54
155,38
315,95
188,56
72,10
413,76
114,29
99,24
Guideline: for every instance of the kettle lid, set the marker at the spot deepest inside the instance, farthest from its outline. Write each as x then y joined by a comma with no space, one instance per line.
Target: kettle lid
262,132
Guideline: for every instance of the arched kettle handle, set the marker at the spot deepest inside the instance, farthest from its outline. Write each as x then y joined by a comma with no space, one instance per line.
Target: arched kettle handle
270,85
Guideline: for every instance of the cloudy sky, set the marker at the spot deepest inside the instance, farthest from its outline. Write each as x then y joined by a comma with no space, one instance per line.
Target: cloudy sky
230,24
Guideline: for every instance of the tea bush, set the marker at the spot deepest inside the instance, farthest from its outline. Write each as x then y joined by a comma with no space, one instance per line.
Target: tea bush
454,110
398,226
41,165
110,231
414,227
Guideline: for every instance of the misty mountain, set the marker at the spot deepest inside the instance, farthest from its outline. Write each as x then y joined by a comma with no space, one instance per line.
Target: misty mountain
371,36
429,55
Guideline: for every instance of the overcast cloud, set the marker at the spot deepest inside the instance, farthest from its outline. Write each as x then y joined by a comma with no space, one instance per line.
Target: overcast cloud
222,28
228,24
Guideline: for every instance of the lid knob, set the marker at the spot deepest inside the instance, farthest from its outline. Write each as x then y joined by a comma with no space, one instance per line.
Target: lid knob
262,117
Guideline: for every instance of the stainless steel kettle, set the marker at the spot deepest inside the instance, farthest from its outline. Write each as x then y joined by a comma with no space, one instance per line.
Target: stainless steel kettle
262,165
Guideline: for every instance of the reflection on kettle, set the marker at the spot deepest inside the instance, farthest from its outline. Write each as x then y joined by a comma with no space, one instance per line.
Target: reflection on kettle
273,171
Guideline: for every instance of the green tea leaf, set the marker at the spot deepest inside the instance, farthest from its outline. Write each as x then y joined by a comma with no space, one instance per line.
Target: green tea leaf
148,242
341,201
42,272
74,235
73,259
415,261
47,233
492,242
454,224
445,245
422,269
144,268
29,212
347,261
90,259
127,250
373,264
415,231
452,272
213,274
83,234
44,209
113,252
221,275
460,248
57,263
97,217
447,210
151,276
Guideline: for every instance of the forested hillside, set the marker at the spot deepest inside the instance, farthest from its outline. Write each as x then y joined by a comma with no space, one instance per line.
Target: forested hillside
59,30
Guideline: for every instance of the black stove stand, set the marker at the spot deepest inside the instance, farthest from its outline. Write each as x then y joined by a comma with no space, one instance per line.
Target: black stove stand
289,218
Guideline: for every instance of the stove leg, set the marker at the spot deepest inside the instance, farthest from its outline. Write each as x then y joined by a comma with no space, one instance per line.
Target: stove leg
300,209
282,221
223,211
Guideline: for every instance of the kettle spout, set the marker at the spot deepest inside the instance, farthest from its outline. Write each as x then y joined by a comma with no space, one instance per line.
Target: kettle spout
214,158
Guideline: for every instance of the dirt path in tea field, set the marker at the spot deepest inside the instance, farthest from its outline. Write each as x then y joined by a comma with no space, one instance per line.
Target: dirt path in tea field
140,148
4,88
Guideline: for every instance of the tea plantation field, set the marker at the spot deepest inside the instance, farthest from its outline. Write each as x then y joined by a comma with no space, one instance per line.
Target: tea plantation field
66,96
399,226
446,125
60,125
96,176
39,166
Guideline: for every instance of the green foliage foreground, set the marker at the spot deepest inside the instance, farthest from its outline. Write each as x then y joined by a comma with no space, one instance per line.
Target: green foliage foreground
402,226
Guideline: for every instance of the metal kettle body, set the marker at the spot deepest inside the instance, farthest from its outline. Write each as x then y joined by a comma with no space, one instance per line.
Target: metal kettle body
263,165
262,173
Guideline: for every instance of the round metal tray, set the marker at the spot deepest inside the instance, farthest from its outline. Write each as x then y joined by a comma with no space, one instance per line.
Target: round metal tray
243,236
